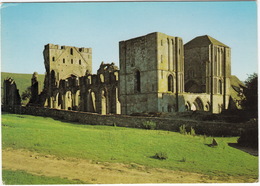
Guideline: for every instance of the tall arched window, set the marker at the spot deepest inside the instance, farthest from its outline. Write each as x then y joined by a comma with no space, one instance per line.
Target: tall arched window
137,81
71,51
220,86
170,83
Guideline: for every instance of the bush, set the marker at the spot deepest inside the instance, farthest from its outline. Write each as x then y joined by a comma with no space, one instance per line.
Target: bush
183,130
192,131
161,156
149,125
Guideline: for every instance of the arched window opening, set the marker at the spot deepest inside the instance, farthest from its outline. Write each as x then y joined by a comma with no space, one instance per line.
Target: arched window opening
138,81
220,86
63,60
53,58
80,62
170,83
71,51
71,61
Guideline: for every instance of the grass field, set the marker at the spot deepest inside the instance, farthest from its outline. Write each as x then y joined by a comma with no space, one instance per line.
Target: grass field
126,145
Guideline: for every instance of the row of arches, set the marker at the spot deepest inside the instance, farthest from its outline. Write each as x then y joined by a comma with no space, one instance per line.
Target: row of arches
197,105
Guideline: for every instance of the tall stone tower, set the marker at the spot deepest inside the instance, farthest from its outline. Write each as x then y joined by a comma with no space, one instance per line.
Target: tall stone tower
151,73
63,63
208,70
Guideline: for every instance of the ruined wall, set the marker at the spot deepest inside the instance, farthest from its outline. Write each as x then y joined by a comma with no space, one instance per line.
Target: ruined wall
11,93
99,93
170,124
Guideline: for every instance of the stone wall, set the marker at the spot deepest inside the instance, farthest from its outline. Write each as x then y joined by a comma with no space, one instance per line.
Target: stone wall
170,124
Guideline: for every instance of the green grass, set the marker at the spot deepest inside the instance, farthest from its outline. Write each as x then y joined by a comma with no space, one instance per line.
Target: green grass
126,145
10,177
22,80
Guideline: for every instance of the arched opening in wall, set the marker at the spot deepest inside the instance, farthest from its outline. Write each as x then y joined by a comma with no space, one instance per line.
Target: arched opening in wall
63,60
91,101
60,102
53,58
220,87
101,78
207,107
68,101
71,51
192,86
53,78
79,62
137,81
103,103
76,105
170,83
71,61
187,106
198,104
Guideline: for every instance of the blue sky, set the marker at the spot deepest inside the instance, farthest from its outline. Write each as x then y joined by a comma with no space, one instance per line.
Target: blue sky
27,27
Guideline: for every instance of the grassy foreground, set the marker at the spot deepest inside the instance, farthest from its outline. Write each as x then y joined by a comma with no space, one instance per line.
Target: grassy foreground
126,145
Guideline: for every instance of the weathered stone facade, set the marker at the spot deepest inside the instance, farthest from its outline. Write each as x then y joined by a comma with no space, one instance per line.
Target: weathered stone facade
155,64
70,85
158,73
11,93
151,73
208,70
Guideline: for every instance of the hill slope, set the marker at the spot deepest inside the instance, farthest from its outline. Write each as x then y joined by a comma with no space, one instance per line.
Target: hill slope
22,80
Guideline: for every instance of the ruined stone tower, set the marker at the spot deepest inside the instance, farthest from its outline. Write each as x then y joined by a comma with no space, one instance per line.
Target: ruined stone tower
65,64
151,73
208,70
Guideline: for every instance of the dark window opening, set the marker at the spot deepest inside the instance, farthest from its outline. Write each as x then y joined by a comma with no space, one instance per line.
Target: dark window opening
71,61
71,51
138,81
63,60
80,62
170,83
53,58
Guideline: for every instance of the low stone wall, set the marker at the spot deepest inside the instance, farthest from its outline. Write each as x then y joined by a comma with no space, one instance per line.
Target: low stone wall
170,124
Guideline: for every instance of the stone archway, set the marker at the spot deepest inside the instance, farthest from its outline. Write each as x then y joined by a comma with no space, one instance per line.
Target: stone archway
198,104
103,103
68,100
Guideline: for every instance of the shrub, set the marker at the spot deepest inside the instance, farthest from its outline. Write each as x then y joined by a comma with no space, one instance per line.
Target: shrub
149,125
192,131
161,156
183,130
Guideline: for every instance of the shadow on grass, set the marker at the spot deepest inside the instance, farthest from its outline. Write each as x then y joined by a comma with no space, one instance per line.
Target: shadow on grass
249,150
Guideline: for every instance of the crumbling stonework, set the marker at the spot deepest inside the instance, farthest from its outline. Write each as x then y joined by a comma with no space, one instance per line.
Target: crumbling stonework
11,93
157,74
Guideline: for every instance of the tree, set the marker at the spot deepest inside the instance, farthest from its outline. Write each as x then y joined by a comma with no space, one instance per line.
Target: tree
26,95
251,93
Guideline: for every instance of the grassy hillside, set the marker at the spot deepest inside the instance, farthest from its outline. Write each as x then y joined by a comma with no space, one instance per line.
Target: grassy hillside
126,145
22,81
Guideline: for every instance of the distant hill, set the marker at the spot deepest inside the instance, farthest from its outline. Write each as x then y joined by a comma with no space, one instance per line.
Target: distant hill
22,81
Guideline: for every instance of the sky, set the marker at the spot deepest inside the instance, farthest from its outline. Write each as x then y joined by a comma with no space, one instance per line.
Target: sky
27,27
